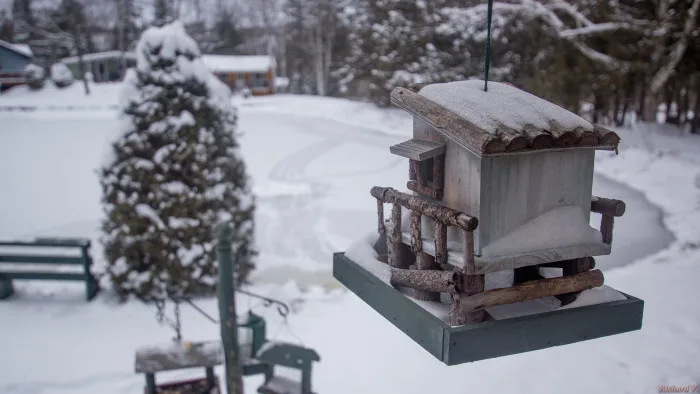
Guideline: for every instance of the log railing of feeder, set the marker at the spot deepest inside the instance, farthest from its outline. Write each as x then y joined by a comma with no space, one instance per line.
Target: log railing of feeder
609,210
434,281
426,279
431,209
534,289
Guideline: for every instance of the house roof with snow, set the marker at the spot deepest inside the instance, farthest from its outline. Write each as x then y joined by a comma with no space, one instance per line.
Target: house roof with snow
225,63
22,49
99,56
501,120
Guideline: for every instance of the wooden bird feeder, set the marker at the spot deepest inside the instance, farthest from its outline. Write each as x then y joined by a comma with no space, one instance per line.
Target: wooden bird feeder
500,187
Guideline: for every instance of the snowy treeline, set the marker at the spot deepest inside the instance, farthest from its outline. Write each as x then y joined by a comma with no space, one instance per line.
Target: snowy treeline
605,58
611,57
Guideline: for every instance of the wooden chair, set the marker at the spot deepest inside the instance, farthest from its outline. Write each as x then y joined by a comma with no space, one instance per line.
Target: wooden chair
291,356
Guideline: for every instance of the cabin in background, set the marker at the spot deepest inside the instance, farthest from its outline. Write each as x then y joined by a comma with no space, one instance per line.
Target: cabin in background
256,73
13,59
107,66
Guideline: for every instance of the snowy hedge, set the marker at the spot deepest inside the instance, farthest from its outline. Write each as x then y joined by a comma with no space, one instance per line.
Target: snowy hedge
61,75
175,172
34,75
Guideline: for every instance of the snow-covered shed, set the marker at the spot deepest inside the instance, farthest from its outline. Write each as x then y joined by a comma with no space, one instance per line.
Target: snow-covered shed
256,73
520,164
109,66
13,59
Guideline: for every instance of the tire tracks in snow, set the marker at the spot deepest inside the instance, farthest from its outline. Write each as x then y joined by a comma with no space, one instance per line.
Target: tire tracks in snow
294,229
298,209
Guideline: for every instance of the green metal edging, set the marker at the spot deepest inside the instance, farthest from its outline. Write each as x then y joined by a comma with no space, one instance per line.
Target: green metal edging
424,328
491,339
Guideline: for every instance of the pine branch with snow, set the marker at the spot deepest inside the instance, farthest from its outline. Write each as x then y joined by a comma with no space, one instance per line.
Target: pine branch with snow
176,171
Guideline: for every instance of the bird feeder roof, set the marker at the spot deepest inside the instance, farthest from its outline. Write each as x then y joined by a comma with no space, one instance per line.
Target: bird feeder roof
503,119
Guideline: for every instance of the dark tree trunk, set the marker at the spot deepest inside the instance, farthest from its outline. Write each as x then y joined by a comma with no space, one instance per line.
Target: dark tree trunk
647,104
668,98
596,107
616,105
695,126
684,103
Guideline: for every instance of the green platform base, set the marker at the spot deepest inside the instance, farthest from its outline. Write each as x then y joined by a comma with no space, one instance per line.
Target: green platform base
490,339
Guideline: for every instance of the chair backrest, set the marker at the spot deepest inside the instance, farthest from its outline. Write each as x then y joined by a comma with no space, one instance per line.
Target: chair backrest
257,326
288,355
292,356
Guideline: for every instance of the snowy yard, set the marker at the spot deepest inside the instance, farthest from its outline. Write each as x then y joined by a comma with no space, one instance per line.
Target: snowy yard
313,161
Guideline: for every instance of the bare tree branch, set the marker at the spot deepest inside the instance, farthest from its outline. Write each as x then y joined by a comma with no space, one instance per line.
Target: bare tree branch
677,51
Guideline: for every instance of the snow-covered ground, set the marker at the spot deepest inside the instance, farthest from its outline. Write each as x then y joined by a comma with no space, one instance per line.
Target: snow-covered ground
313,161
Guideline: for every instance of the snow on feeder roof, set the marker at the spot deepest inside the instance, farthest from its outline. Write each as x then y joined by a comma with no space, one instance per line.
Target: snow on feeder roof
503,120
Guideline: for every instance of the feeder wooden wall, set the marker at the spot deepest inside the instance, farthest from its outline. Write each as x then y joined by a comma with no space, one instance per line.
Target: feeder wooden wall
506,191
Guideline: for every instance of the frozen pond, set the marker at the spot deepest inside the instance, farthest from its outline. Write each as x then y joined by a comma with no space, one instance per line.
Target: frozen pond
638,233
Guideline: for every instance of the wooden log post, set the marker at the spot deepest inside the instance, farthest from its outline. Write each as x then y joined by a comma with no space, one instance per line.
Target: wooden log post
380,246
606,228
438,175
381,226
609,209
414,173
397,256
434,281
424,261
472,285
534,289
416,237
440,243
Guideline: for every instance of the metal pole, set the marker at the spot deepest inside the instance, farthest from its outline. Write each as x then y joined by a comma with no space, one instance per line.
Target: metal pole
227,309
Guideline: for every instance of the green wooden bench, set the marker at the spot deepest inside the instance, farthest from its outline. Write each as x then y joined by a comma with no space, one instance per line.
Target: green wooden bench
22,260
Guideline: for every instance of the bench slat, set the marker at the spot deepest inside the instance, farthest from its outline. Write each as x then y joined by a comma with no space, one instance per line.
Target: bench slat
55,242
175,356
24,275
25,258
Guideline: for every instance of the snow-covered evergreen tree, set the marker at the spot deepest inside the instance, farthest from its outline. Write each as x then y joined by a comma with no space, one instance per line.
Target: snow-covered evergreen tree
394,44
176,171
34,75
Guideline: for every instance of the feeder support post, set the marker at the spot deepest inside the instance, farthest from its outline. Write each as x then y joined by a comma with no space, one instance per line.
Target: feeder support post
227,309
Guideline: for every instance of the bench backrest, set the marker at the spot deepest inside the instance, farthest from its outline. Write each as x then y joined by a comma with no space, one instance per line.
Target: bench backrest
21,252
